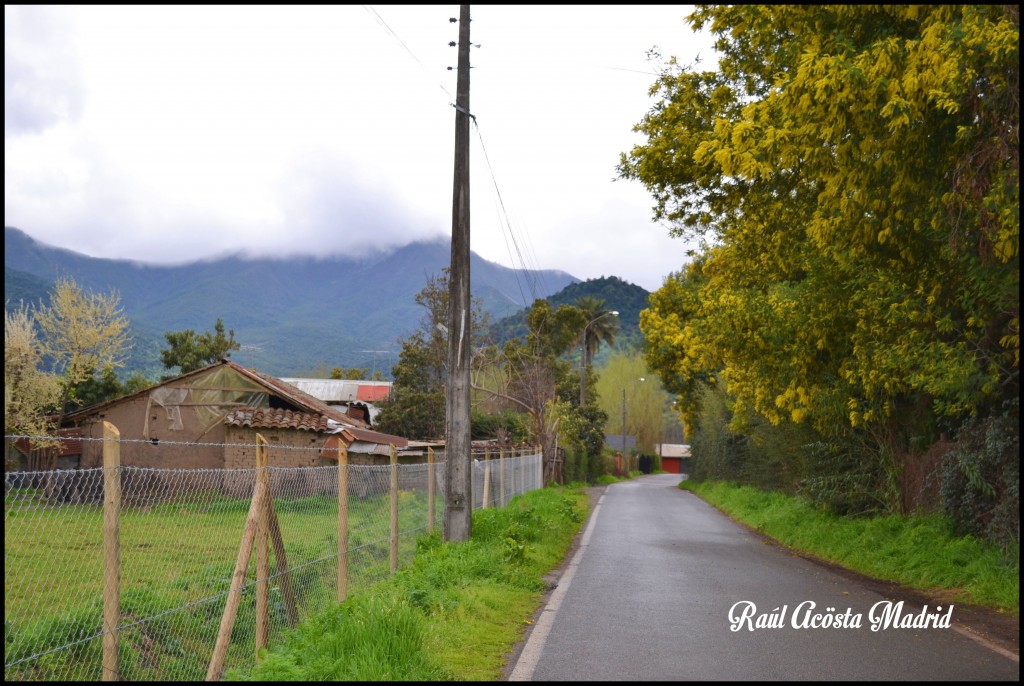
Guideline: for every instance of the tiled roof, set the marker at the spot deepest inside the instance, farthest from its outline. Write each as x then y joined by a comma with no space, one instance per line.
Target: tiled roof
261,418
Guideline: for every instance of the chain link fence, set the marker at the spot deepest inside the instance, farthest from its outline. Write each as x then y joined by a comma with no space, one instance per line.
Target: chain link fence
179,541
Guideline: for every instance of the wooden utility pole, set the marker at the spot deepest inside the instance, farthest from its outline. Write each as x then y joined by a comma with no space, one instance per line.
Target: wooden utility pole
458,506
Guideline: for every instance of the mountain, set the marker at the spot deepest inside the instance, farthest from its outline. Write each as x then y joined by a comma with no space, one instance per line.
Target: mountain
621,296
291,315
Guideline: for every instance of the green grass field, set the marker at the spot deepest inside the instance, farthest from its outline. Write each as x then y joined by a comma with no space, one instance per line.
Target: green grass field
177,561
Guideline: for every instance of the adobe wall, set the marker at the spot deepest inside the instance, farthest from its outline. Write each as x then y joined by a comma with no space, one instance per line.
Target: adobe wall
154,443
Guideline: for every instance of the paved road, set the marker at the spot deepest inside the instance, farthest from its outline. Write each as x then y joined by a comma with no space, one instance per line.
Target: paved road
648,595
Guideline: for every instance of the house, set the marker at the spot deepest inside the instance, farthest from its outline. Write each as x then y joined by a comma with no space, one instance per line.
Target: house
26,457
675,457
209,418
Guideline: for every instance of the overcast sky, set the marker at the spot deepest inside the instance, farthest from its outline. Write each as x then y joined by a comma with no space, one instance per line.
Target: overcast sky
166,134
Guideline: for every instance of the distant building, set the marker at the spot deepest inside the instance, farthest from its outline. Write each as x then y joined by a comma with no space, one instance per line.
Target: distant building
675,457
209,418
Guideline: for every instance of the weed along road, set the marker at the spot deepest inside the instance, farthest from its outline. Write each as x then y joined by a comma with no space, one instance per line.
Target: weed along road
665,587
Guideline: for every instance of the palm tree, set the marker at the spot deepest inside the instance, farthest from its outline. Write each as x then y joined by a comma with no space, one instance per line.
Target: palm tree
601,325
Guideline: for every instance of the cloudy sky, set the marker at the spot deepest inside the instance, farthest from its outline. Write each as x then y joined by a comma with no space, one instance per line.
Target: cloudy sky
166,134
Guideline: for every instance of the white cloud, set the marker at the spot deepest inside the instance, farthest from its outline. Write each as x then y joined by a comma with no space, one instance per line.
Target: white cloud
40,77
163,133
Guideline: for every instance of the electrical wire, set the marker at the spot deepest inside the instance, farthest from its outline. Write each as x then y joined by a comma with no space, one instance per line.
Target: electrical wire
391,32
509,233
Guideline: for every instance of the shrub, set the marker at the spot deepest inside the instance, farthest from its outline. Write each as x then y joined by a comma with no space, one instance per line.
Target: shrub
980,478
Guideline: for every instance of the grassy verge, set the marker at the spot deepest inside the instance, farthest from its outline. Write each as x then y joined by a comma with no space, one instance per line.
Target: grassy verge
918,551
454,614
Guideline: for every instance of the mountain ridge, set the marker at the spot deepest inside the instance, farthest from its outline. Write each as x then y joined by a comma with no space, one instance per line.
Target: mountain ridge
339,309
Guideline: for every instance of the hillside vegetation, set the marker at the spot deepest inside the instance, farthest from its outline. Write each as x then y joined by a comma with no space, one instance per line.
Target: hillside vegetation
291,315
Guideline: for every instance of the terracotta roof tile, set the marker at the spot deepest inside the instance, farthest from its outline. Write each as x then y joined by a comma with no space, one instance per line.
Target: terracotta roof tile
261,418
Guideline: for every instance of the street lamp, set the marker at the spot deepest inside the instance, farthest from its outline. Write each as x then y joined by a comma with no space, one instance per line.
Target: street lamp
583,357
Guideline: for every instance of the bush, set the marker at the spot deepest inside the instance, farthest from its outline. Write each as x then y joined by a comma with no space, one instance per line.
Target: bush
719,454
484,426
980,478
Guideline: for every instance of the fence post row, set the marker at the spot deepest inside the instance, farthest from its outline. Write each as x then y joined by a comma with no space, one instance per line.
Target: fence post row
262,529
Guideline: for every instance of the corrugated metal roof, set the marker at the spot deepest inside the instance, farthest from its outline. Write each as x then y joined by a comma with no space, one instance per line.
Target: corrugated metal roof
377,437
342,390
374,393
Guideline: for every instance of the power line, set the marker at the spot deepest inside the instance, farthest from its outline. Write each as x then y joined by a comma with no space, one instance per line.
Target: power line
509,233
529,271
405,47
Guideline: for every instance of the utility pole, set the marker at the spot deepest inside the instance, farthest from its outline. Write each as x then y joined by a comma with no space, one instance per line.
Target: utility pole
458,505
625,460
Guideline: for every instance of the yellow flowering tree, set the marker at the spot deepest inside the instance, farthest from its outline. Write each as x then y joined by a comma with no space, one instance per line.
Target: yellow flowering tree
852,175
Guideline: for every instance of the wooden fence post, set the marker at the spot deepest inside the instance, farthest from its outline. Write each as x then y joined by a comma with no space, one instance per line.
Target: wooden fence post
515,474
487,478
540,467
394,510
281,560
111,551
262,549
342,520
501,477
430,488
227,622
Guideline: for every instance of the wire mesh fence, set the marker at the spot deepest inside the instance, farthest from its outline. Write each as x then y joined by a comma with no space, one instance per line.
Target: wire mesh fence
179,536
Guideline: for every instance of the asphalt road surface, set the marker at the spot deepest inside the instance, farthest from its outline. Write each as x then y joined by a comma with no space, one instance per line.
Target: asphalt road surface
661,579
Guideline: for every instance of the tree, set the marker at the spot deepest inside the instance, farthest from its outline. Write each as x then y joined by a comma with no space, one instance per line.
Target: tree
416,408
603,327
105,386
190,352
852,173
534,369
31,395
626,377
82,334
598,325
349,373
